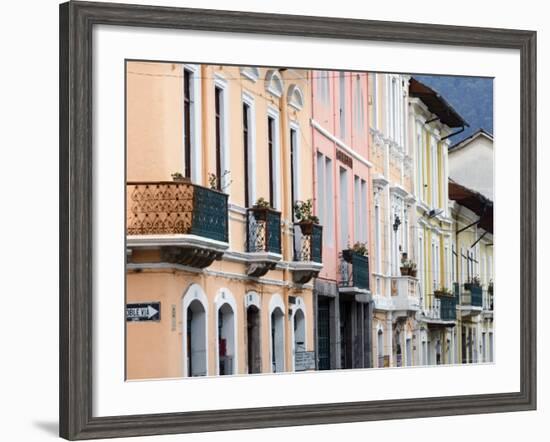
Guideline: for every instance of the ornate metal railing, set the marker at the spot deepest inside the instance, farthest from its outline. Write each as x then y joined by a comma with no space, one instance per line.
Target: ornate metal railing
308,245
448,308
354,270
263,231
171,207
473,295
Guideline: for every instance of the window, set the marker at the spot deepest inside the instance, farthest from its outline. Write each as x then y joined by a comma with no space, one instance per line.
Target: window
270,147
359,109
325,195
374,101
323,85
360,209
435,176
218,109
344,234
342,94
419,162
246,148
187,135
377,237
294,161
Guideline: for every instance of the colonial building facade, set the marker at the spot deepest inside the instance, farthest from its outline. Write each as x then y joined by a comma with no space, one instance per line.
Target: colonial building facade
216,158
285,220
342,201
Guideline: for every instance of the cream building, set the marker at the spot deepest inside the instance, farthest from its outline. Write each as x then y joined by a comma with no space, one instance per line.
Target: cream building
395,290
233,282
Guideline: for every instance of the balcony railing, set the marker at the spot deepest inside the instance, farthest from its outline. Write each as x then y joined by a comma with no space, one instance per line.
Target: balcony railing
263,238
171,207
405,294
308,246
263,231
308,252
448,308
354,270
472,296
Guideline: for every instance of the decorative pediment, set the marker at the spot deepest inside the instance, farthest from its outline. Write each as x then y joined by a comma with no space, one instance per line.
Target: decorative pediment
274,83
295,97
251,73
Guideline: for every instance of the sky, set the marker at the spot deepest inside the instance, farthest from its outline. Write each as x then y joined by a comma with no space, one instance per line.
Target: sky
471,97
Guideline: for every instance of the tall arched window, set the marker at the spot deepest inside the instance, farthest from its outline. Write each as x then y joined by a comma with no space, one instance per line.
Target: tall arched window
195,332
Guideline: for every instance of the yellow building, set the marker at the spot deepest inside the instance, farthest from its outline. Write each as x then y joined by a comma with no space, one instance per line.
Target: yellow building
394,287
432,121
231,278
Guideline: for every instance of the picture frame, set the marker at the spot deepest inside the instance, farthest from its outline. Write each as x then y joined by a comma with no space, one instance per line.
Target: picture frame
77,20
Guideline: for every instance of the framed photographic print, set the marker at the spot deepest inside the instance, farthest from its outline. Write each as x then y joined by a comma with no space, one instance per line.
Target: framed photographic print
272,220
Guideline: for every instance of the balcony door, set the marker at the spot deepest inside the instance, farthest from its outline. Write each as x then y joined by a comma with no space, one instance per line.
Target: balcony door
253,339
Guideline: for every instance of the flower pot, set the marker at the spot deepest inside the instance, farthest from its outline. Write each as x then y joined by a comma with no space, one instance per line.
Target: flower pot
183,179
306,227
260,213
347,255
412,272
405,271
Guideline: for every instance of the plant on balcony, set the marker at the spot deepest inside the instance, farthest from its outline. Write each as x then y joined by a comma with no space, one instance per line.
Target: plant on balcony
179,177
473,282
490,286
260,209
213,181
359,248
303,211
408,268
443,291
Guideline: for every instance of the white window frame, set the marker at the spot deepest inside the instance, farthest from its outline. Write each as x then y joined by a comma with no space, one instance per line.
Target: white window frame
248,99
295,126
196,123
276,166
221,83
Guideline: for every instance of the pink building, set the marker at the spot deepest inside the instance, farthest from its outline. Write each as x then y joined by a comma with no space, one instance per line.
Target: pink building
342,190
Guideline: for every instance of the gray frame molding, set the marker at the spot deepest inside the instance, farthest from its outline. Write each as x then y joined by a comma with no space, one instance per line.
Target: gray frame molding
76,22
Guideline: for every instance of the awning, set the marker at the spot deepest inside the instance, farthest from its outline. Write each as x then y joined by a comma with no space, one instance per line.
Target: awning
436,104
475,201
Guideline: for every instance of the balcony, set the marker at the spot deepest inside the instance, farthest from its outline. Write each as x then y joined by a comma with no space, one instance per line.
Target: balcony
471,300
405,295
263,240
308,252
354,276
442,310
187,222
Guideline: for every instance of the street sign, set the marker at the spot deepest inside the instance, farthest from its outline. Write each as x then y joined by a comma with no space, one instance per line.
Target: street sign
304,360
147,311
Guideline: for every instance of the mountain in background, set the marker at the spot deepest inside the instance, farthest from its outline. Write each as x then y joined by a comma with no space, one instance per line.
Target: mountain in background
471,97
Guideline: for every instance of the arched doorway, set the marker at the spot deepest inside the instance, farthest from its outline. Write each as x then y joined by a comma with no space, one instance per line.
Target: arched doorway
277,340
196,339
299,333
253,339
380,347
226,340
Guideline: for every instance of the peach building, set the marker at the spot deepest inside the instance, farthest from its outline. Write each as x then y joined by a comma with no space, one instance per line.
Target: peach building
231,274
342,200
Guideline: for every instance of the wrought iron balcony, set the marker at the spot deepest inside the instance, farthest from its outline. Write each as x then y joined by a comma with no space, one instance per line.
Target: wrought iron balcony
308,252
263,240
354,271
188,222
471,299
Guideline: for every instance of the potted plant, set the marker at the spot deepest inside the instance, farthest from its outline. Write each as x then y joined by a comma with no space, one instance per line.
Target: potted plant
260,209
359,248
408,268
213,181
303,211
474,282
179,177
443,291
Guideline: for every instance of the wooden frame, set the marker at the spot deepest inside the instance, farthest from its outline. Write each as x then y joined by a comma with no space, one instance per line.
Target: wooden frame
76,22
